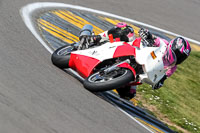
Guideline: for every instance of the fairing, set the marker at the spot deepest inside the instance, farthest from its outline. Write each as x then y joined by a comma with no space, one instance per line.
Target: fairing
84,61
83,64
151,60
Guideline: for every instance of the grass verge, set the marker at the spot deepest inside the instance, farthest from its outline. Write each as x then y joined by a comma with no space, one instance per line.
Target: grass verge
179,98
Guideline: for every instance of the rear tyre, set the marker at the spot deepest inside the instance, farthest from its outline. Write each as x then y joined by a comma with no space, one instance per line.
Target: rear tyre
98,82
61,56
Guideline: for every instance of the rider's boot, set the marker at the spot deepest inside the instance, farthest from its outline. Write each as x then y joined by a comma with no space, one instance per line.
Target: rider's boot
127,92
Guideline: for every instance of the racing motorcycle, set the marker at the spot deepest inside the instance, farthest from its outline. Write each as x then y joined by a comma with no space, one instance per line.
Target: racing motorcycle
112,64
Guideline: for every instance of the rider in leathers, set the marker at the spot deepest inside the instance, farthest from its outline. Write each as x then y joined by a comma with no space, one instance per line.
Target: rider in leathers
124,32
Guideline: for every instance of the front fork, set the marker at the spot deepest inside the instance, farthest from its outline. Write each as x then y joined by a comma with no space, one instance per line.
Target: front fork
123,64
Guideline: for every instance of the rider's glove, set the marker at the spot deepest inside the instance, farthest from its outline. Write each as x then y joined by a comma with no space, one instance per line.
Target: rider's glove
160,83
146,35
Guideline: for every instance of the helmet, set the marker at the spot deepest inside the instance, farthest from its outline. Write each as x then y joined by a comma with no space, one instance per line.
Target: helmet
122,31
181,48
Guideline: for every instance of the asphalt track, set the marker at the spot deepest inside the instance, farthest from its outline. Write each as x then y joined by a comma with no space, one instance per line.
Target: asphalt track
35,96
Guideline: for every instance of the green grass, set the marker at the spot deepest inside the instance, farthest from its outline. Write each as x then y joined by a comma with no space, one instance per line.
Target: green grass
179,98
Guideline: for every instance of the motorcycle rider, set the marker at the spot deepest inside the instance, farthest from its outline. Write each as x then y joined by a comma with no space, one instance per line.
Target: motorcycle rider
123,32
179,46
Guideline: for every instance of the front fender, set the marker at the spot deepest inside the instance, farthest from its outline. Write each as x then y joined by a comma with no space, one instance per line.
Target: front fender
126,65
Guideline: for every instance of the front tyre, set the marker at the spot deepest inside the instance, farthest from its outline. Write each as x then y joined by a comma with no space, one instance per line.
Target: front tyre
102,82
61,56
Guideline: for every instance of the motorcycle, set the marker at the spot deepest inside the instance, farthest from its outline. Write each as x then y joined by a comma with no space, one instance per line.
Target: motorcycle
113,64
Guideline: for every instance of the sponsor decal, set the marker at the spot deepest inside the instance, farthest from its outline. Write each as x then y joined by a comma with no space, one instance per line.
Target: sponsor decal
186,51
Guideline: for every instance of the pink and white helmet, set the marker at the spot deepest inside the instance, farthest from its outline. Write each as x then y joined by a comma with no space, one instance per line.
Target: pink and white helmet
181,48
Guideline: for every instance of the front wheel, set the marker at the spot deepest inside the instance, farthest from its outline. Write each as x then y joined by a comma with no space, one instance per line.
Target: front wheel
61,56
107,81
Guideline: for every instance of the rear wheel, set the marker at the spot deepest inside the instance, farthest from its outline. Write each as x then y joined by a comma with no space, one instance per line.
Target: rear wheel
61,56
108,81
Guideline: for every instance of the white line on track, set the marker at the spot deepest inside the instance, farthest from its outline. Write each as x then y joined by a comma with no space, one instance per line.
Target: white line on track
27,11
134,119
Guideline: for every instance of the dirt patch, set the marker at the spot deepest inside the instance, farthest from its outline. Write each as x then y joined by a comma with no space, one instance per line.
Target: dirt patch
195,47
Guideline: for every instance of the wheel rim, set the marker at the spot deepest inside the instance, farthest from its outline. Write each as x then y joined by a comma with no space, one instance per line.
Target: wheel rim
100,77
64,51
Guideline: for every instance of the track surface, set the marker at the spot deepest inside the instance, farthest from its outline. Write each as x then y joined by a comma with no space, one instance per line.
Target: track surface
37,97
